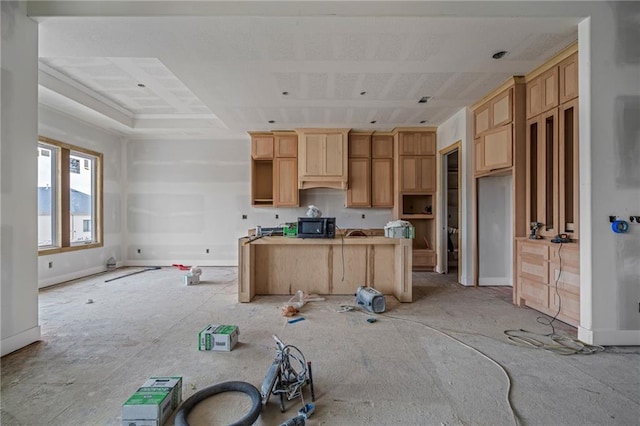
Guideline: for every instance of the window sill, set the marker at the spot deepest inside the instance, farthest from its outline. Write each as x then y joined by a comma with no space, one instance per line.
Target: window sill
55,250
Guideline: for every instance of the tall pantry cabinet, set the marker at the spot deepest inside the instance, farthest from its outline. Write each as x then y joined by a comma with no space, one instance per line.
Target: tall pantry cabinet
548,273
415,189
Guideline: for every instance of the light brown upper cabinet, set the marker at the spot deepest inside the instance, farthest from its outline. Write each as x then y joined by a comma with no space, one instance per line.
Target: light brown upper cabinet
359,145
542,92
286,144
418,173
417,143
274,169
382,170
370,170
568,71
498,121
381,146
285,182
322,158
382,182
552,174
261,146
493,149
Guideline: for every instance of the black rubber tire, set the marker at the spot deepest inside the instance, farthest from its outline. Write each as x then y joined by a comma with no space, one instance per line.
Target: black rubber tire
244,387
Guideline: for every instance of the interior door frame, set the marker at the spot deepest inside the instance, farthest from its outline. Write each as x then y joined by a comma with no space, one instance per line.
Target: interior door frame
443,169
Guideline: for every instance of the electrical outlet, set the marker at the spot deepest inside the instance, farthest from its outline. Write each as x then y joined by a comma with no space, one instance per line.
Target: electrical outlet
277,217
207,251
244,216
139,251
50,265
363,215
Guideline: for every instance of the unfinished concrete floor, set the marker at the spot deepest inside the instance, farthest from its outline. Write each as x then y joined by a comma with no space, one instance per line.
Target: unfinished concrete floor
93,356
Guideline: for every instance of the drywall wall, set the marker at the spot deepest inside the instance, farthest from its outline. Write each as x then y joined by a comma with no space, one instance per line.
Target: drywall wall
185,197
609,162
495,230
458,128
18,172
75,264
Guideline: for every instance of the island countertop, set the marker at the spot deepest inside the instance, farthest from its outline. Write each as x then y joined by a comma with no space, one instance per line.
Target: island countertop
324,266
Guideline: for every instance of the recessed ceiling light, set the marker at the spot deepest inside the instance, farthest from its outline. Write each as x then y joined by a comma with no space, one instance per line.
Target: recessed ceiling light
363,93
424,99
271,121
285,93
373,122
500,54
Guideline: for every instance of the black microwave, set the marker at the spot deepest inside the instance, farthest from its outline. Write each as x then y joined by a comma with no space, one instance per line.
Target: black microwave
316,227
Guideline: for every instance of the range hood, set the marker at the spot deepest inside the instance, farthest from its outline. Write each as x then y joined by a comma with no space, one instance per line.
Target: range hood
322,158
309,184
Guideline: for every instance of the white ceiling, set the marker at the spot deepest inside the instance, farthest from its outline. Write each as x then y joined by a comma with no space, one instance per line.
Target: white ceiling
220,76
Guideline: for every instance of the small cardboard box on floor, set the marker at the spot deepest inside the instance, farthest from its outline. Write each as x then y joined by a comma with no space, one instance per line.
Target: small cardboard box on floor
215,337
153,403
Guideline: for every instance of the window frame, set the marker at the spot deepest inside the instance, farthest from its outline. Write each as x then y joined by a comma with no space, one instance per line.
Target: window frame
61,209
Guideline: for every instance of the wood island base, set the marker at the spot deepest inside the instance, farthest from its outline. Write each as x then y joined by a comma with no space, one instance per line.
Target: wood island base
338,266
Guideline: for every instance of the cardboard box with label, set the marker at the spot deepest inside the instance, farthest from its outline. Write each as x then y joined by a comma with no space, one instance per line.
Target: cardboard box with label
153,403
215,337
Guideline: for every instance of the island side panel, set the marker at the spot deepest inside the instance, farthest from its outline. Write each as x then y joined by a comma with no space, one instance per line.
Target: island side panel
384,268
246,268
349,268
403,278
285,269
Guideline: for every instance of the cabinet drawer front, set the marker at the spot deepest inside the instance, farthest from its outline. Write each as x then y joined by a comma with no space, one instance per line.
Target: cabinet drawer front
568,254
534,293
567,280
534,269
570,305
424,258
533,250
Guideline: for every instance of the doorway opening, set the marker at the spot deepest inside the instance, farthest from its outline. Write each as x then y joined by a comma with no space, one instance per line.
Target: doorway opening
450,166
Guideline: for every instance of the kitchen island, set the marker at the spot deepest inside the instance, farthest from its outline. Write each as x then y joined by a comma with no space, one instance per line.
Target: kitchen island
335,266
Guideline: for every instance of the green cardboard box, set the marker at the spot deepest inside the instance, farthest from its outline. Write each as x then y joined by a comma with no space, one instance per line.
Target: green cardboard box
153,403
215,337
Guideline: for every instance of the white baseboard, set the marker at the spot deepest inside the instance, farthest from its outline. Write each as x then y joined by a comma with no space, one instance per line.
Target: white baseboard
46,282
160,262
20,340
609,337
494,281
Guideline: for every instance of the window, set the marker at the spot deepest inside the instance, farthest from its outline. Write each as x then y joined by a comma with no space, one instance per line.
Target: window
69,197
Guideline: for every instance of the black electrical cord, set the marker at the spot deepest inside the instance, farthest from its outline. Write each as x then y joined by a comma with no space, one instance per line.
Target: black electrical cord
561,345
201,395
